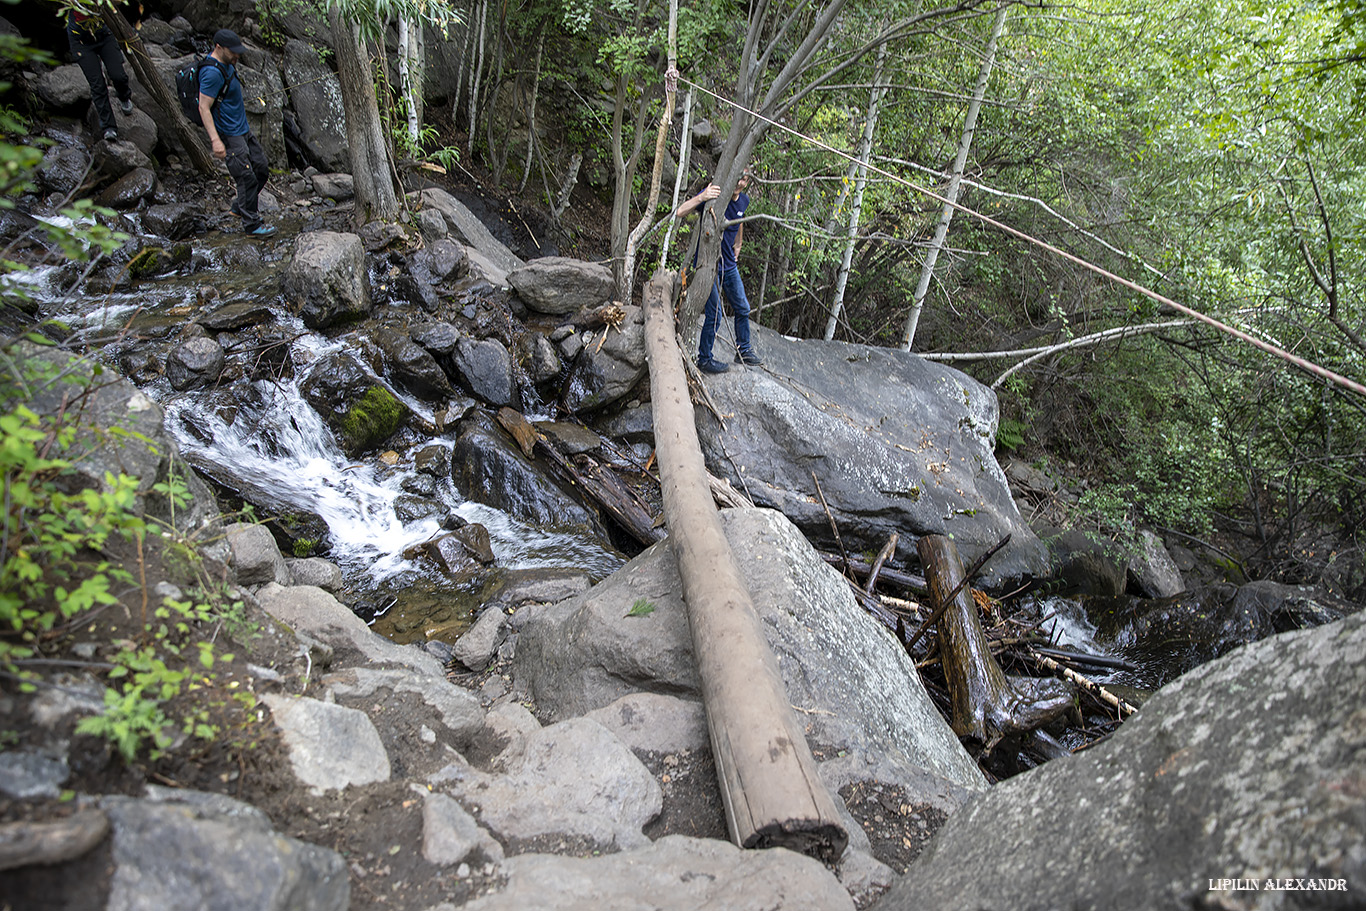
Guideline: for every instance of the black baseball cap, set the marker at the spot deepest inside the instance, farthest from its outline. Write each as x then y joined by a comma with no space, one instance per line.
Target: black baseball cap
226,37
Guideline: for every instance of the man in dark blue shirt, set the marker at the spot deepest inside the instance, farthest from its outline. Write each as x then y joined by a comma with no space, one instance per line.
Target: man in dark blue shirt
225,119
727,281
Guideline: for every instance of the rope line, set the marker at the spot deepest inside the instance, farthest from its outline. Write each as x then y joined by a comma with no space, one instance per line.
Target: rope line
1298,361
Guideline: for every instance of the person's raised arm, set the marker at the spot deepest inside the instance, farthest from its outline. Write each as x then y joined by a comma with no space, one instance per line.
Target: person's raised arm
709,193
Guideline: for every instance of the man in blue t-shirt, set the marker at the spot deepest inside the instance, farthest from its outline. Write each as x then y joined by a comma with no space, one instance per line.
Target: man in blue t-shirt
727,280
225,119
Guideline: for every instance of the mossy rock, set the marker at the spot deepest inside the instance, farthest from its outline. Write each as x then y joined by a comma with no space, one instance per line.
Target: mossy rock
371,420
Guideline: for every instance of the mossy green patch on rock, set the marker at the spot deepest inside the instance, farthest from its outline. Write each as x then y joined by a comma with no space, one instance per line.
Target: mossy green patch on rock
371,420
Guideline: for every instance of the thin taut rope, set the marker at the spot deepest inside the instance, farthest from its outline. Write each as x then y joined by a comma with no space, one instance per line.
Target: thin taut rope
1298,361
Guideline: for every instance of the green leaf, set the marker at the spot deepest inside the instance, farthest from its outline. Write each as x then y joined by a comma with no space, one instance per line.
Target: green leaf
641,608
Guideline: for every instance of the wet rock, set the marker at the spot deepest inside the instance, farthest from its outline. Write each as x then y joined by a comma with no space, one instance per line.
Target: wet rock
433,460
339,187
129,190
438,338
176,220
411,366
188,849
135,128
559,285
195,364
1242,768
634,424
442,260
538,358
571,439
416,508
352,402
488,468
325,280
677,872
1168,636
236,316
1088,563
377,235
454,558
315,94
485,368
897,443
607,370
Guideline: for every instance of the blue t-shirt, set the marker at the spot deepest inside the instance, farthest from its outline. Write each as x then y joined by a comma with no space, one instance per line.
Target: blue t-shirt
734,210
230,113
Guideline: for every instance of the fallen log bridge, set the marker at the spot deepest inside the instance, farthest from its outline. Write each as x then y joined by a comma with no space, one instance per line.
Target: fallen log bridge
772,792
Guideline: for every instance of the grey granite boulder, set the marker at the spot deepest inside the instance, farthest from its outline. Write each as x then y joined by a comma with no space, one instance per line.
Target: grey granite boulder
610,365
325,280
853,685
331,747
560,285
1244,774
899,444
676,873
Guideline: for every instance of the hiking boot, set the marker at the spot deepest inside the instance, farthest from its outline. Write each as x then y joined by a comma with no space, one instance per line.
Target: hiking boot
126,106
711,365
261,230
111,134
232,207
748,358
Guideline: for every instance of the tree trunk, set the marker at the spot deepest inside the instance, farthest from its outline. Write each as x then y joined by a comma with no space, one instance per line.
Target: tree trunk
951,194
370,167
772,792
475,76
188,133
410,54
531,111
986,705
865,150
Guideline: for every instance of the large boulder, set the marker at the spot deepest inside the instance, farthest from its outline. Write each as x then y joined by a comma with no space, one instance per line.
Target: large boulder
194,364
490,255
1166,637
325,280
608,368
1240,780
129,190
356,405
560,285
315,92
412,366
1152,572
487,467
190,849
63,87
858,691
898,444
485,368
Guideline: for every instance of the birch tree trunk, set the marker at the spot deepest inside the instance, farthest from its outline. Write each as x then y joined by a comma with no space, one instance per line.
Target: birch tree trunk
951,194
685,148
370,168
864,151
410,56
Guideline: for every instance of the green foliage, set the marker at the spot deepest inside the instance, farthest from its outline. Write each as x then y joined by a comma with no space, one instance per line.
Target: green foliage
641,608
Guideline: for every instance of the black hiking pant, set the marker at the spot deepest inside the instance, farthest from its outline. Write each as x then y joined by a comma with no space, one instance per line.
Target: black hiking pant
247,165
95,52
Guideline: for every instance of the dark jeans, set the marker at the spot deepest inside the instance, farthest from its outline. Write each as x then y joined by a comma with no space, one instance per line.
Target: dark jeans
247,165
730,284
90,50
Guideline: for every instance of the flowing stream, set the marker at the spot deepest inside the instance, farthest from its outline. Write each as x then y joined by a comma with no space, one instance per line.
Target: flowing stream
268,438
